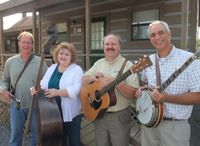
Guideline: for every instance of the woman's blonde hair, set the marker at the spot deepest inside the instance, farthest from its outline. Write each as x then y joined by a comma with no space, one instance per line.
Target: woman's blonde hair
67,46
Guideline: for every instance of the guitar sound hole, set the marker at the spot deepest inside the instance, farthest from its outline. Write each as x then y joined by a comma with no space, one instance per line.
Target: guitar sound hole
97,95
97,103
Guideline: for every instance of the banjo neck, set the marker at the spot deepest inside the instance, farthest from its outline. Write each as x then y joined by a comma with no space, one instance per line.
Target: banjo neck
176,73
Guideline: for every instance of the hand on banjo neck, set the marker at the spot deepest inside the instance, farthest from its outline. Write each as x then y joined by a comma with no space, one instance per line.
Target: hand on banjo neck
158,97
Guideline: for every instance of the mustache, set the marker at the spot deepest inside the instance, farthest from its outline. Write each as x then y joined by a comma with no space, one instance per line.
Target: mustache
110,49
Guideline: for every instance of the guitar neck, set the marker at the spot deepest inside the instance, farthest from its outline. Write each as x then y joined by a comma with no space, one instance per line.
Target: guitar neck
115,82
176,74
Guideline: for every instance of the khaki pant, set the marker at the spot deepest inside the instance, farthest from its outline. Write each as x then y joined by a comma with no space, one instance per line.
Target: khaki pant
113,129
168,133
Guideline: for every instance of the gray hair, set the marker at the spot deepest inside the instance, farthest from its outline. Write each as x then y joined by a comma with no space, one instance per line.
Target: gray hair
164,25
115,35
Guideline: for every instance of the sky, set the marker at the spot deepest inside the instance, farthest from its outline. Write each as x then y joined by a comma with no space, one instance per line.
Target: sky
10,20
3,1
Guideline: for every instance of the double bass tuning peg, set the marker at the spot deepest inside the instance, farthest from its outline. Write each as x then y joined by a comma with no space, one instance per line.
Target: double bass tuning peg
51,30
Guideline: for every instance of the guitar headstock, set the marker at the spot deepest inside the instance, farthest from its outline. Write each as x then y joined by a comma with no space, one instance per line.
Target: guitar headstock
141,64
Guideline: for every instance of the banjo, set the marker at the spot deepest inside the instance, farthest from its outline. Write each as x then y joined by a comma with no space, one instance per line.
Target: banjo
150,113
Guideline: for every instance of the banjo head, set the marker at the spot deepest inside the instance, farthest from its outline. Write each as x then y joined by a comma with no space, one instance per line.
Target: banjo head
144,107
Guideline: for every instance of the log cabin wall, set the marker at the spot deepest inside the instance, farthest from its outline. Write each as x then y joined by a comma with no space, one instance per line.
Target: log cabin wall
72,18
117,15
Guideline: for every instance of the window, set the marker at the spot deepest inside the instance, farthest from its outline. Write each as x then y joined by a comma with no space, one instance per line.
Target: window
62,31
141,21
98,27
97,34
11,44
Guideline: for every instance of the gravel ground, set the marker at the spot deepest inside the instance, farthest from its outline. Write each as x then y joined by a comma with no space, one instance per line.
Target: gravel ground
4,134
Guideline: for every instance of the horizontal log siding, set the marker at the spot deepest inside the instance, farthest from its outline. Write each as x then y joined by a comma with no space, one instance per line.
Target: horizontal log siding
172,15
118,17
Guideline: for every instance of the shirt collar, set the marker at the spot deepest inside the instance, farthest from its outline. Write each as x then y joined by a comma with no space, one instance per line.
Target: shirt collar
172,52
116,59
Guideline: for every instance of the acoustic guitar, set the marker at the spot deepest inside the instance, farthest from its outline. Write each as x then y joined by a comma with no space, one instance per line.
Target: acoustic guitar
95,98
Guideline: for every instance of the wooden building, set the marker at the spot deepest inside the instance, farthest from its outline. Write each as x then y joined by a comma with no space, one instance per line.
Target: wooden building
10,36
85,22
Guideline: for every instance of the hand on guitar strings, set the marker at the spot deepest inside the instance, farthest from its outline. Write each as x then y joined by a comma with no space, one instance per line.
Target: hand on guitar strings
157,96
105,80
99,75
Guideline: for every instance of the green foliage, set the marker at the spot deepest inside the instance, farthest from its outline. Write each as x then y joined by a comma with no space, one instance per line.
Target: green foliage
198,43
198,46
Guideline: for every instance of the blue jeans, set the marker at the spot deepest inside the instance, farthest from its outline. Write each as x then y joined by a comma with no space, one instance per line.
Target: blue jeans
72,131
17,121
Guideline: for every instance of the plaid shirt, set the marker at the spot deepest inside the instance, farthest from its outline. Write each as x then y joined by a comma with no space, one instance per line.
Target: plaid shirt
187,81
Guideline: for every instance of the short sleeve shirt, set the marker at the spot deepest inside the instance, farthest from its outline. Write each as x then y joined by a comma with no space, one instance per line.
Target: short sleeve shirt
112,70
187,81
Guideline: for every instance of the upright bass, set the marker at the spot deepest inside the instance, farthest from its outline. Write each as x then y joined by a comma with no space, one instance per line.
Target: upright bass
49,117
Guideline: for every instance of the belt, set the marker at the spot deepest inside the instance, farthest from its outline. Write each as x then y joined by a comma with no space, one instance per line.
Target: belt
117,111
172,119
110,112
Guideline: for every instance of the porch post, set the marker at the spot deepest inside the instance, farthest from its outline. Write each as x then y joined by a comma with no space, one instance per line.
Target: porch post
34,30
194,24
87,33
1,42
184,24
